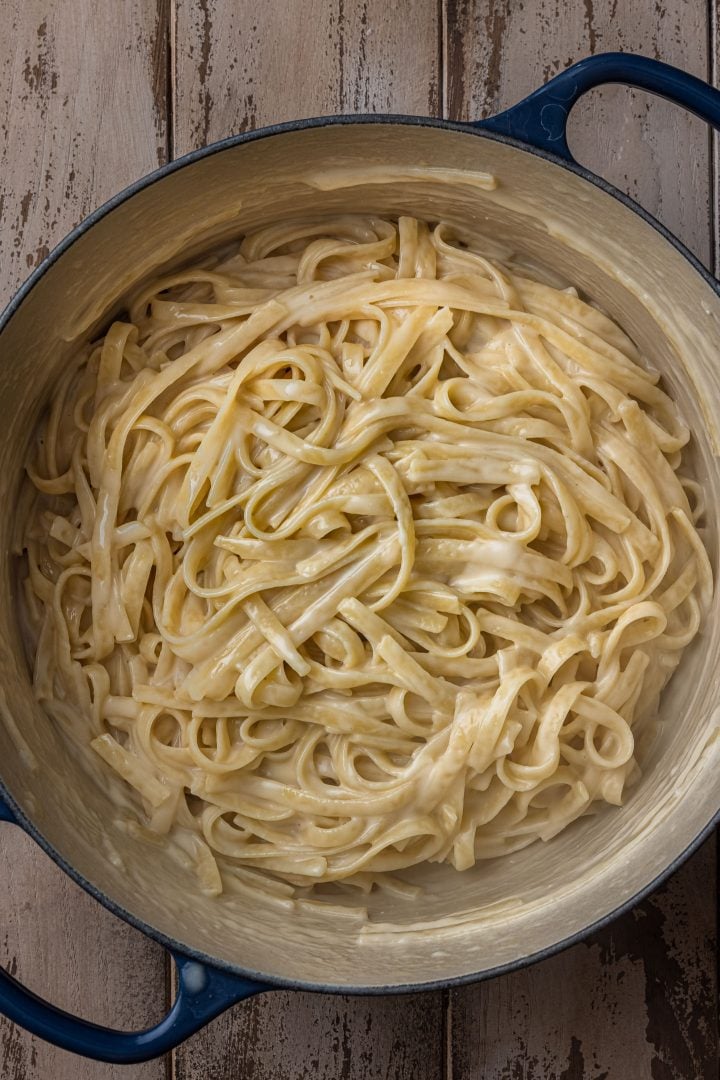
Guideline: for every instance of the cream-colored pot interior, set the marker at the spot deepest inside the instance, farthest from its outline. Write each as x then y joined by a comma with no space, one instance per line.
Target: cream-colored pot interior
501,911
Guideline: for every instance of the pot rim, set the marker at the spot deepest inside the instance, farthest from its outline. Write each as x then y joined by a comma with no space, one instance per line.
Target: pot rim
13,307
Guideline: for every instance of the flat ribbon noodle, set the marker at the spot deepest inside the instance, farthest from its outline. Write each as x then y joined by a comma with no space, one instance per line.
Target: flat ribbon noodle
353,548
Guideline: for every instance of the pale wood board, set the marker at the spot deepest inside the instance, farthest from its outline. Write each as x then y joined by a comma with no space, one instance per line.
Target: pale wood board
82,86
242,65
497,51
637,1000
65,947
294,1036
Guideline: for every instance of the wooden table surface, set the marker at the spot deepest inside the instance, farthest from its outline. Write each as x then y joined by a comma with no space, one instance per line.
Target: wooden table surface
98,92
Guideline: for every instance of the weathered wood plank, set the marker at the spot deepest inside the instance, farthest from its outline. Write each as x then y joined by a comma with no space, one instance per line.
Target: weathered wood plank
637,1000
238,67
64,946
82,88
83,93
497,51
316,1037
641,998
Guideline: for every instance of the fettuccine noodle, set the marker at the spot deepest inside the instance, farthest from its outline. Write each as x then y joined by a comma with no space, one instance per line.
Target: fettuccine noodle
353,549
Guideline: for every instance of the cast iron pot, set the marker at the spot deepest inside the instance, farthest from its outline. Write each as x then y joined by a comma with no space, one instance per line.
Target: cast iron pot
502,914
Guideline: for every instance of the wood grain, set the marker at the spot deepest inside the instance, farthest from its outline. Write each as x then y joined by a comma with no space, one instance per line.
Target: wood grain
240,66
83,92
317,1037
65,947
638,1000
497,51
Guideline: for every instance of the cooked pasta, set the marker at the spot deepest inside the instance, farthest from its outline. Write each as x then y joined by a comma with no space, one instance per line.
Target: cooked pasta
353,548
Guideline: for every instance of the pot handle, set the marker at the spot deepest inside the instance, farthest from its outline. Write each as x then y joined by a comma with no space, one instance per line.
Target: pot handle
203,993
541,119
